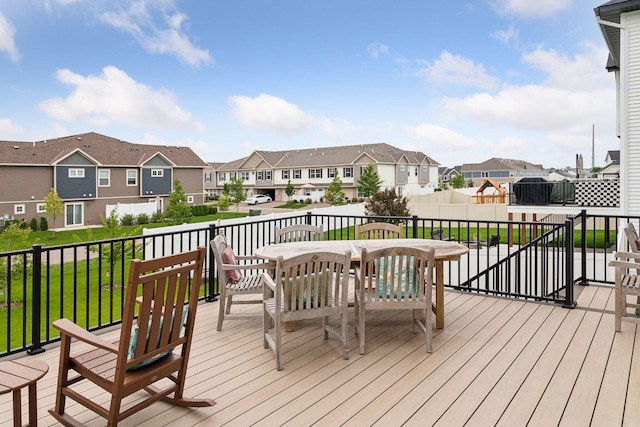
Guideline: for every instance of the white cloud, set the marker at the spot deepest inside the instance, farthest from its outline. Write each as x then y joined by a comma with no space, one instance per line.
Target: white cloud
269,112
377,49
510,35
531,9
8,129
167,37
442,138
457,70
114,97
7,43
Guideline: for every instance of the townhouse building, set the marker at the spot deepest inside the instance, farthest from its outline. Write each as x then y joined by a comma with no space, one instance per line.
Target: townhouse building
311,170
502,170
90,171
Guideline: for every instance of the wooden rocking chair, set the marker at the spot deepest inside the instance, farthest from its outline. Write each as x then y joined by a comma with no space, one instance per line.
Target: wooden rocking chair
168,289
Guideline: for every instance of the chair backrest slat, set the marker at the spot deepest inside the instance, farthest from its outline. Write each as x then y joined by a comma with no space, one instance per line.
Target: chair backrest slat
299,233
378,230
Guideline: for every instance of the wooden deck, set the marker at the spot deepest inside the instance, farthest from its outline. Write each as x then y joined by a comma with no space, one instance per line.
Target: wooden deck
497,362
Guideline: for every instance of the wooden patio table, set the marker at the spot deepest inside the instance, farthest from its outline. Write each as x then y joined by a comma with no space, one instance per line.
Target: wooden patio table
14,376
444,251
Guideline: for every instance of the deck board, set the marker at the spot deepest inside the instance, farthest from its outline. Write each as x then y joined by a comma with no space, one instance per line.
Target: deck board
496,362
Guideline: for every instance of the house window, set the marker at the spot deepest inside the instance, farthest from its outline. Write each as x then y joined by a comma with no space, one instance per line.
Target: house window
132,177
207,177
347,172
73,214
104,176
232,175
76,172
297,174
189,199
315,173
40,208
401,168
285,174
157,173
331,172
259,175
416,172
18,209
267,175
244,176
222,176
484,174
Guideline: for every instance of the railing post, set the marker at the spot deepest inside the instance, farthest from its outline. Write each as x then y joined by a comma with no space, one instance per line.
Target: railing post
414,220
211,295
568,232
36,301
308,218
583,248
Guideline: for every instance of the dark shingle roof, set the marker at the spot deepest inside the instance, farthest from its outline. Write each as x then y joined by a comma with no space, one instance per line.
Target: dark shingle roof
105,150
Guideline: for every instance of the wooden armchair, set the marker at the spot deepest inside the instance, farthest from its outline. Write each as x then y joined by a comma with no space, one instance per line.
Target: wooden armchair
169,289
395,278
627,284
378,230
313,285
234,278
298,233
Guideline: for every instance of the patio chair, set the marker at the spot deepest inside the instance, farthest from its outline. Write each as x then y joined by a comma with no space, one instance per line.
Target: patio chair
395,278
627,283
313,285
169,288
493,241
439,235
378,230
299,233
233,281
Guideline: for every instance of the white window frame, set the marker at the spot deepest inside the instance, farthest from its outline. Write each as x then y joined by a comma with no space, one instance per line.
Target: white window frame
267,175
484,174
259,176
315,173
135,177
40,208
331,172
286,174
75,173
189,199
244,175
222,176
108,178
297,173
157,173
207,177
66,207
232,175
402,168
19,209
347,172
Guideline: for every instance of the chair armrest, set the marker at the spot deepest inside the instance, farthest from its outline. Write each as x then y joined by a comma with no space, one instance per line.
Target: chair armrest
627,255
260,266
624,264
267,280
67,327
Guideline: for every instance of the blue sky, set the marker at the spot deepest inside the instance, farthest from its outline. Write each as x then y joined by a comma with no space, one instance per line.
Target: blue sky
461,81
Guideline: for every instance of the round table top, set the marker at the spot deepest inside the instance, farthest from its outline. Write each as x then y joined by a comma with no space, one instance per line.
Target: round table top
444,250
15,374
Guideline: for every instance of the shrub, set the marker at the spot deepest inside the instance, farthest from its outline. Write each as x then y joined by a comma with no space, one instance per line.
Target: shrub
127,219
157,217
142,218
22,224
213,210
44,225
34,224
308,201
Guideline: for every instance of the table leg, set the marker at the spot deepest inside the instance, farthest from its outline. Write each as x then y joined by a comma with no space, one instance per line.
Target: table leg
33,405
439,307
17,408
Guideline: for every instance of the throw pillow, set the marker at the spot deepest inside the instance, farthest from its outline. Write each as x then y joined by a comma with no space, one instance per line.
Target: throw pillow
229,257
389,282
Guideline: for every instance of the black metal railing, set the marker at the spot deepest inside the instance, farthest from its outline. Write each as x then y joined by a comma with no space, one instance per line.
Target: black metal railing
85,282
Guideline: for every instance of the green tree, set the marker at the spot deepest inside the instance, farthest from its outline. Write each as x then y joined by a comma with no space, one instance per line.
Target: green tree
53,208
386,203
457,181
235,191
335,195
178,212
289,190
369,181
223,204
14,238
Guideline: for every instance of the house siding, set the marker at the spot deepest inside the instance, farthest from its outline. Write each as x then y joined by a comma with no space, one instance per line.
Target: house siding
631,76
76,188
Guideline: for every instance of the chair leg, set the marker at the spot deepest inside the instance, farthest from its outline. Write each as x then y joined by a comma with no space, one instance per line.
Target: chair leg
345,333
229,302
221,300
620,307
325,322
278,331
361,328
428,331
265,326
63,373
